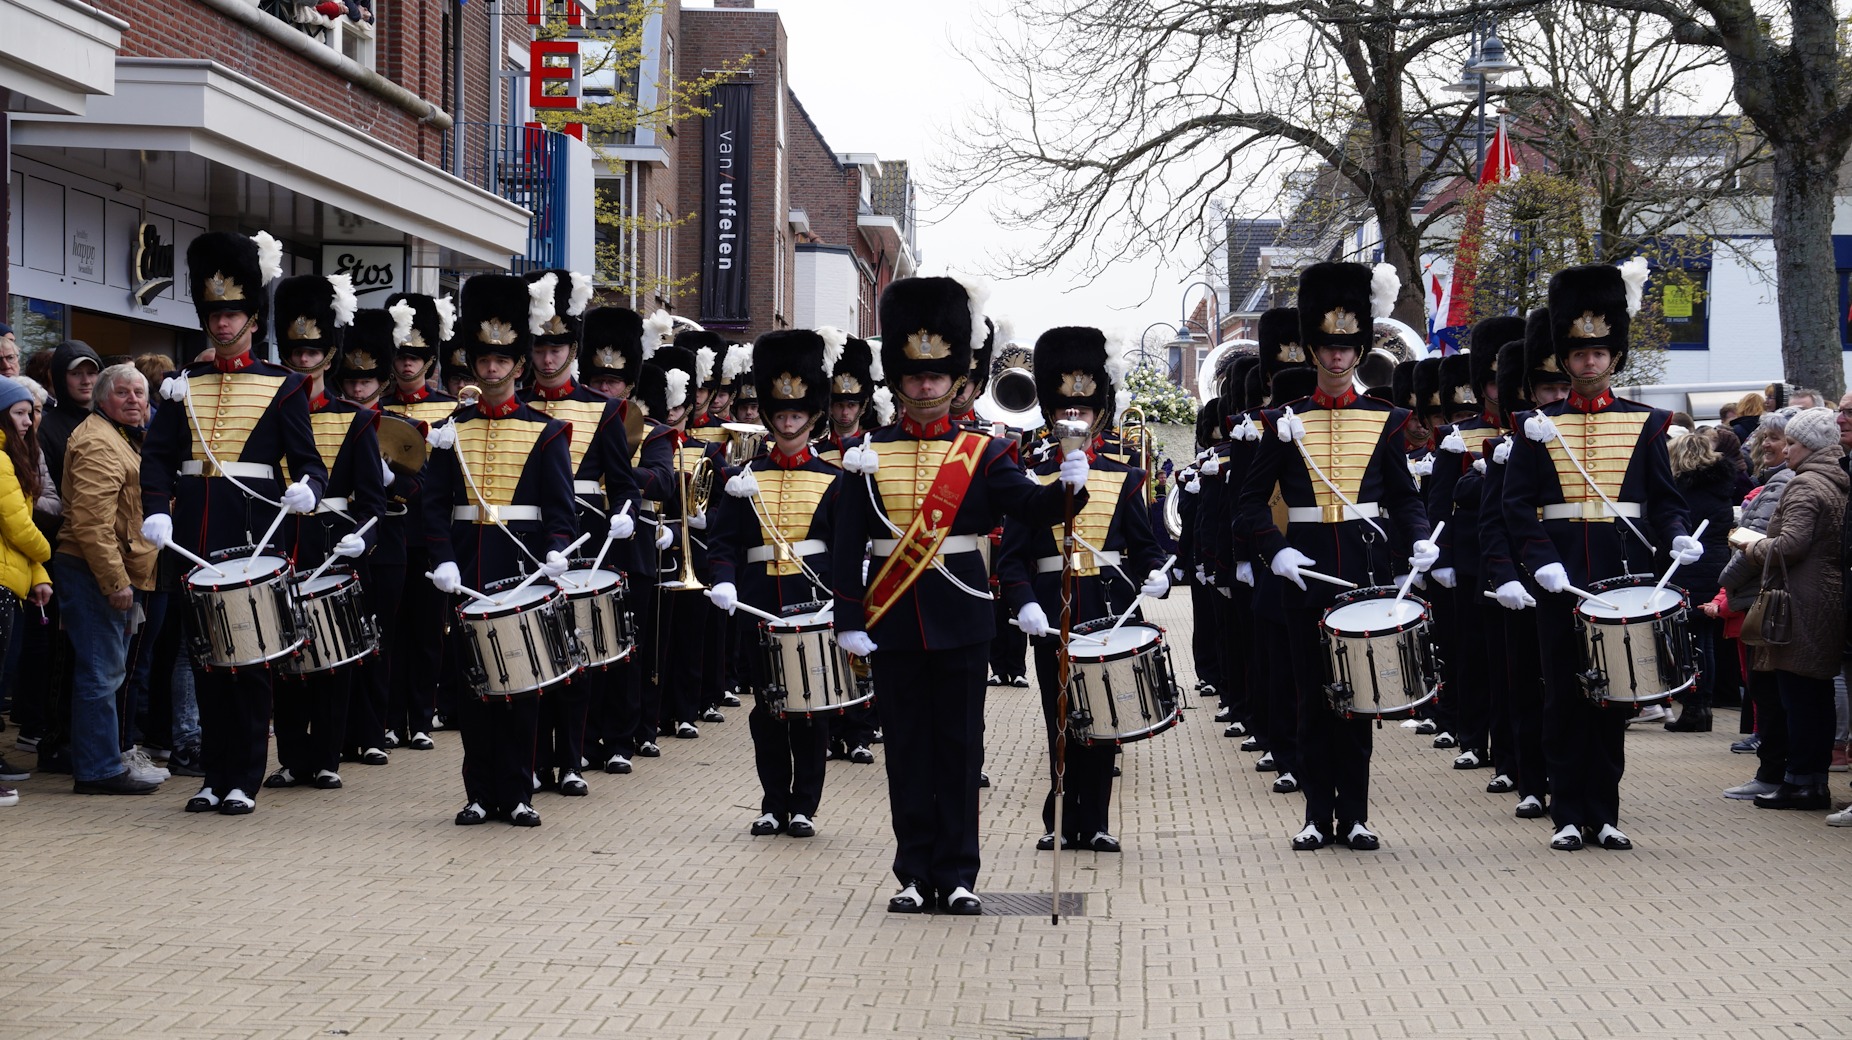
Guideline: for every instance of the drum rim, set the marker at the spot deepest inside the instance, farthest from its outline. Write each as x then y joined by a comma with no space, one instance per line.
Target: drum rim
1103,657
548,594
1631,581
342,577
228,581
583,591
1167,722
1421,618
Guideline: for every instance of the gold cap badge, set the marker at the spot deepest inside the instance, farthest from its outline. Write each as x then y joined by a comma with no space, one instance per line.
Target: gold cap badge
1338,322
609,357
1078,384
555,326
220,289
1292,353
496,333
360,361
1589,326
788,387
416,339
305,328
1465,396
846,384
1550,365
927,346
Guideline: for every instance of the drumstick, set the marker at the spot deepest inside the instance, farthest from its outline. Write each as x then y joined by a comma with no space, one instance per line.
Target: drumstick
606,547
747,607
1139,598
1071,636
467,591
1328,579
329,562
278,522
1667,576
502,597
1592,598
178,548
1418,571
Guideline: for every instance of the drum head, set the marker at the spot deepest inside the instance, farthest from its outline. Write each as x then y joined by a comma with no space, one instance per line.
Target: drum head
584,579
325,584
1374,615
1104,644
811,621
510,601
240,571
1633,601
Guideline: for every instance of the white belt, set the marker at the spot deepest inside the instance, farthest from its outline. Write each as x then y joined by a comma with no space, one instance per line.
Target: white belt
1102,559
1332,514
587,487
954,543
504,513
1592,511
331,505
807,547
248,470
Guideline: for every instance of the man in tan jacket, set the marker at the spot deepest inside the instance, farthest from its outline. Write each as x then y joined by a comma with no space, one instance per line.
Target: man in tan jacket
103,567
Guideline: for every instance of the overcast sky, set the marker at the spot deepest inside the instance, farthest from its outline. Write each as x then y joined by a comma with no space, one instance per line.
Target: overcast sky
882,76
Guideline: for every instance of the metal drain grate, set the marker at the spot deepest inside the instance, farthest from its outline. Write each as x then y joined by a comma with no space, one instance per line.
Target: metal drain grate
1033,904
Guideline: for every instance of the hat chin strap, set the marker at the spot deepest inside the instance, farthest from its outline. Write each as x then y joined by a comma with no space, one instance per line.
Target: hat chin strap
249,320
1350,372
327,359
929,402
571,356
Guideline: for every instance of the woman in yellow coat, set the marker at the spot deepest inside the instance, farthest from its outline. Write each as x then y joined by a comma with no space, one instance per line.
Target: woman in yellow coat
23,548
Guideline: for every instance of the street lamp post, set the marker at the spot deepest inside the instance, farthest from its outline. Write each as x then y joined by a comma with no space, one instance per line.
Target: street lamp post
1488,60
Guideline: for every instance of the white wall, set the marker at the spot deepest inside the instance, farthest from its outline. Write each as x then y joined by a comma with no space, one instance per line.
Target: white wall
827,290
580,221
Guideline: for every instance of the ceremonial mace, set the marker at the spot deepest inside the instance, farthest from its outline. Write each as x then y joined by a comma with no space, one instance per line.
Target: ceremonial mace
1072,435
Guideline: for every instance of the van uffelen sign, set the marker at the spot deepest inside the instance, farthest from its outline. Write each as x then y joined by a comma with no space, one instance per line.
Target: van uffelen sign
726,199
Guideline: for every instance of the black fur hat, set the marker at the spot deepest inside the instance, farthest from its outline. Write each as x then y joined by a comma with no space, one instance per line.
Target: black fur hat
1402,387
1251,390
707,349
1280,345
228,272
1209,423
1593,306
1234,382
1338,303
311,312
1071,371
1427,388
571,292
1542,366
651,391
433,323
613,343
788,372
1488,335
678,369
1513,387
928,325
498,319
1293,383
853,378
369,348
1456,390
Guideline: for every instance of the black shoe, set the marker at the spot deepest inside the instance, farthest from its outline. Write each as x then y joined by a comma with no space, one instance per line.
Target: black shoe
764,825
237,803
1224,713
472,815
572,785
1472,758
523,815
1103,842
729,700
1046,843
1251,744
1266,764
617,764
913,898
649,749
801,827
121,783
1020,682
326,780
1427,727
185,762
1530,809
983,779
374,757
1311,839
1500,784
1796,796
1286,784
281,778
421,742
391,741
1567,839
862,756
1359,838
712,715
1613,840
1691,720
1446,740
961,902
1235,729
204,801
686,731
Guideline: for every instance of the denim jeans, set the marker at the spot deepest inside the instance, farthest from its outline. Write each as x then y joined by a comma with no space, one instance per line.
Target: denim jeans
102,632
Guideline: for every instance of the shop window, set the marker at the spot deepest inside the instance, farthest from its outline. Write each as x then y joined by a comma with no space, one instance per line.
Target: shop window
1685,304
37,324
346,26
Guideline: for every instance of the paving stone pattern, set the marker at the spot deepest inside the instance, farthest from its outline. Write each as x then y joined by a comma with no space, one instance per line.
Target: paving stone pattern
646,909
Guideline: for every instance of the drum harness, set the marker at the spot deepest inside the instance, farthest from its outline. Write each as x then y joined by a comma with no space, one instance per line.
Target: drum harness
212,457
1539,428
1292,430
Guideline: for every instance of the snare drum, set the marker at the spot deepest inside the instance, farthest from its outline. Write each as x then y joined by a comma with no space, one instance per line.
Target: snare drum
1639,649
244,614
339,627
607,632
1121,686
1378,661
806,671
521,643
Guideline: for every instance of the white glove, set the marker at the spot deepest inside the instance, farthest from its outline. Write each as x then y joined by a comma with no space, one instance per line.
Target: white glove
696,521
1453,442
556,564
1446,576
442,438
299,498
447,578
1244,573
664,539
1287,564
856,643
1211,466
1479,466
386,475
1502,453
861,459
1426,554
1686,550
725,596
350,546
1074,470
174,388
1033,620
1291,428
1192,484
1156,584
622,526
1202,575
158,529
1539,428
1551,577
1422,467
743,484
1512,595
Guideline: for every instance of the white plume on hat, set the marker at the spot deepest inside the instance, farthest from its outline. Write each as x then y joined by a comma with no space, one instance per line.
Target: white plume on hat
269,257
834,340
704,365
446,307
977,292
1385,283
738,362
876,371
345,302
1633,272
677,395
656,328
883,400
402,313
1118,367
540,302
581,294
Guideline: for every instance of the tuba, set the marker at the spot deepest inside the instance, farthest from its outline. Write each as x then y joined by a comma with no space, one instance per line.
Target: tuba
744,441
1136,438
696,484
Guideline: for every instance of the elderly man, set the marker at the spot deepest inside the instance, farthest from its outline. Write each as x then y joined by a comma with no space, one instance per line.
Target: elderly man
9,351
103,566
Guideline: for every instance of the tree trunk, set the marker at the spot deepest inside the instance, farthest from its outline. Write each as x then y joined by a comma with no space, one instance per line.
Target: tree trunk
1806,182
1402,247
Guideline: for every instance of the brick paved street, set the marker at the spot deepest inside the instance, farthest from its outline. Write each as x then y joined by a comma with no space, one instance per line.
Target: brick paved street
647,910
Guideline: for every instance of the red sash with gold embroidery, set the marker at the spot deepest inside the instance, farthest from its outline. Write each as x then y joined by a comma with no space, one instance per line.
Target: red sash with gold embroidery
920,544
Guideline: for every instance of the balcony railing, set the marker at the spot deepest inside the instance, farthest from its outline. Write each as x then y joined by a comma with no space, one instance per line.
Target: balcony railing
526,166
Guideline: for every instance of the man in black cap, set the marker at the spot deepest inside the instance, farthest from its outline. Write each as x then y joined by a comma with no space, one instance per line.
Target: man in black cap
770,550
1587,482
514,512
1337,459
1219,482
1078,377
924,493
210,481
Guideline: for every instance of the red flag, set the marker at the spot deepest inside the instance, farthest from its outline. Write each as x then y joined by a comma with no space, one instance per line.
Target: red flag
1499,165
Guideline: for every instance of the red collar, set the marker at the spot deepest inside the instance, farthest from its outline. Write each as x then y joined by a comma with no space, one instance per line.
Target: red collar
555,393
969,416
319,401
237,364
1344,400
498,411
412,398
1491,420
1577,403
783,461
937,428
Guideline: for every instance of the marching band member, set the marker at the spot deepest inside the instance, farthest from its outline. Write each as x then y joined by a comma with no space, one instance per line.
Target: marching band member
513,508
707,425
1338,461
770,550
1222,476
853,382
1437,714
925,494
424,326
317,713
209,474
1589,470
1078,376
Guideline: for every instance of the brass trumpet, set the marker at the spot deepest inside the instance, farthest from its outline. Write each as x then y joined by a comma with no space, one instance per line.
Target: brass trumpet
1135,436
696,484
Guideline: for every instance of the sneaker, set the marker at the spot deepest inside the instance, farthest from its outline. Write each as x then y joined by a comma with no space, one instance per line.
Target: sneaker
862,756
711,715
8,796
421,742
122,783
1749,745
185,762
158,755
8,772
142,768
1842,761
1747,792
686,731
1650,713
1842,818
